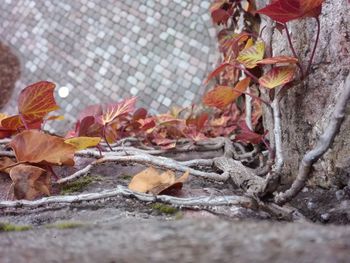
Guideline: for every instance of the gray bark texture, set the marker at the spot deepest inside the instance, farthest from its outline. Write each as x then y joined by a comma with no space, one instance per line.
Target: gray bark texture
307,108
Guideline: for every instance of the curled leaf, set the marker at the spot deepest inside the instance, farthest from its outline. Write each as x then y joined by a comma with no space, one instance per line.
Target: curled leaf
81,143
29,181
151,181
5,162
33,146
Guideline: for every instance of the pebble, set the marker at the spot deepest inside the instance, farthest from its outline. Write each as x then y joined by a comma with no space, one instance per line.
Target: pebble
340,194
311,205
325,217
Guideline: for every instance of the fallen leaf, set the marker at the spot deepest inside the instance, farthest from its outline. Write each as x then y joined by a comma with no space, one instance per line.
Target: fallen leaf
5,162
151,181
33,146
29,182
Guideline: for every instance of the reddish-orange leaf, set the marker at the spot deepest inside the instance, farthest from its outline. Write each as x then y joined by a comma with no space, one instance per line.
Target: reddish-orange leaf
286,10
36,100
222,96
250,56
221,11
279,59
219,97
33,146
114,110
14,123
216,72
277,76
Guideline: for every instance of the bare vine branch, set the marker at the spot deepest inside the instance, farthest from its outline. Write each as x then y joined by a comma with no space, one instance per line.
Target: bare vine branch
125,192
323,144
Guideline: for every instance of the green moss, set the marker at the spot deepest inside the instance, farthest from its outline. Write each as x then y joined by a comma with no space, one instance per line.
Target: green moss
79,184
6,227
165,209
179,215
65,225
125,177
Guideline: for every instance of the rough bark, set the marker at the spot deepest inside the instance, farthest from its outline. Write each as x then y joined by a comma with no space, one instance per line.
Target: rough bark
307,108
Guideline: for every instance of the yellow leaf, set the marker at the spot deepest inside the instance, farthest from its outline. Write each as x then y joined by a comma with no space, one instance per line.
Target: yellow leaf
81,143
250,56
277,76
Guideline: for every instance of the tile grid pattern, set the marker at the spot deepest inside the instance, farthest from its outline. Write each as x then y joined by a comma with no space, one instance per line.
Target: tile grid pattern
106,50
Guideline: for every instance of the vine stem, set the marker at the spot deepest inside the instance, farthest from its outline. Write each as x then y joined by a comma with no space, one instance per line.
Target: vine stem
254,97
293,50
315,46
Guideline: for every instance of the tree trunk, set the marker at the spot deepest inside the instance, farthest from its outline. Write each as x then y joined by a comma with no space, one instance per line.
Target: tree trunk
307,108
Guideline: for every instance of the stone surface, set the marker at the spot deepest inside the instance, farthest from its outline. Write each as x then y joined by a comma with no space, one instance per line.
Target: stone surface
104,51
190,240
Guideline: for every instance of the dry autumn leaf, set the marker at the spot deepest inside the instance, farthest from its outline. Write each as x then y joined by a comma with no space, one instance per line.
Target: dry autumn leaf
33,146
5,162
29,182
151,181
81,143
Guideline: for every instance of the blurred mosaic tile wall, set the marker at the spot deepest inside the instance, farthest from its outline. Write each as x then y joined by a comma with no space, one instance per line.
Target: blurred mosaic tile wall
104,50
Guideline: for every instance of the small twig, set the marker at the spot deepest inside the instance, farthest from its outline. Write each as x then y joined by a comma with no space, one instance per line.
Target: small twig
5,141
293,50
248,111
315,46
323,144
145,159
7,153
125,192
277,131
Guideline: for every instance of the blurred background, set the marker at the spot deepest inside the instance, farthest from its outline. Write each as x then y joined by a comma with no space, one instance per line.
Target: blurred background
106,50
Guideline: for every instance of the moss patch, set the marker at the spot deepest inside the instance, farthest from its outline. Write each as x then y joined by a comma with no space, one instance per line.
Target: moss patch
6,227
125,177
165,209
65,225
79,184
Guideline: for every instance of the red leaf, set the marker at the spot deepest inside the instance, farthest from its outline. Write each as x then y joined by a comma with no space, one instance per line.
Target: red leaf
114,110
248,136
216,72
221,11
286,10
34,103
